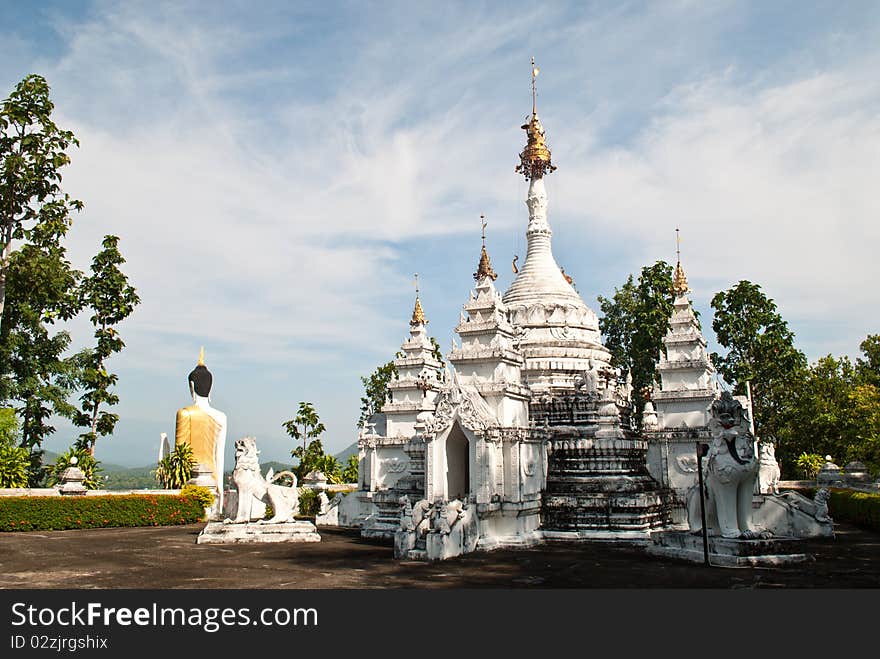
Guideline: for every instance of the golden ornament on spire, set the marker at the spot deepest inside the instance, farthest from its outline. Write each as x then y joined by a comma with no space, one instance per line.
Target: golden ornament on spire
202,356
535,158
679,279
484,269
418,317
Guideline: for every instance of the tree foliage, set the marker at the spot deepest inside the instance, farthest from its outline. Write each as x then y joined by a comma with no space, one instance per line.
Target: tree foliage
835,410
111,299
14,464
760,351
39,287
35,375
9,427
33,149
633,324
350,471
313,458
305,426
175,469
376,391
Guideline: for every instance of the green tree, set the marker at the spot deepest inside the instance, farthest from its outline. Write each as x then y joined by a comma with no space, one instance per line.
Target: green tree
33,148
107,293
760,351
35,376
634,322
306,425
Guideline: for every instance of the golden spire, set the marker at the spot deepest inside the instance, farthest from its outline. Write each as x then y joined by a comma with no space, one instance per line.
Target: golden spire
418,316
202,356
484,269
535,158
679,279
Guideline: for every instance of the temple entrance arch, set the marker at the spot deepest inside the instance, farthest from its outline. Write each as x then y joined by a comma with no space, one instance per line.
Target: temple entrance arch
458,464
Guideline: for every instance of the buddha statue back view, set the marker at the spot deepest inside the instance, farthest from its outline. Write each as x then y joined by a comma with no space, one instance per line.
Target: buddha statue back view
203,427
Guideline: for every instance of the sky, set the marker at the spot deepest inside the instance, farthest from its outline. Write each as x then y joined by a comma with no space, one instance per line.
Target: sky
277,173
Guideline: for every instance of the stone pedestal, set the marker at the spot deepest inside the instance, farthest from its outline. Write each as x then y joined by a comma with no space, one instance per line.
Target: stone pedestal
72,482
601,488
829,475
218,533
727,552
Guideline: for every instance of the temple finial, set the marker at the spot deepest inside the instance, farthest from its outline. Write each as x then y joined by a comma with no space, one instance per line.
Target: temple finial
679,279
535,158
535,72
418,315
202,356
484,269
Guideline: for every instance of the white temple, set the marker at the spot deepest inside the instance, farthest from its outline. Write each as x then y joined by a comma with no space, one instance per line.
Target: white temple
528,438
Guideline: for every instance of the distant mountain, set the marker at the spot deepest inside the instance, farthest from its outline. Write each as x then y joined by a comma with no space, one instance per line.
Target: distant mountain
345,453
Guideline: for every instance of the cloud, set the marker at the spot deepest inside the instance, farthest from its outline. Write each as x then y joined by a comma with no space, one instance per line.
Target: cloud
771,184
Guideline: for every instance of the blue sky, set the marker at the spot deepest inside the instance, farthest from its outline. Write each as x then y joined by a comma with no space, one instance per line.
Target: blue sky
278,171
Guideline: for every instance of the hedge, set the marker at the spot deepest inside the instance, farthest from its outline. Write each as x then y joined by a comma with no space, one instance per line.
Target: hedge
859,508
86,512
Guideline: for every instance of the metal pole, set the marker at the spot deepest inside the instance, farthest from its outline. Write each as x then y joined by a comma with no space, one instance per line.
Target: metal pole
703,449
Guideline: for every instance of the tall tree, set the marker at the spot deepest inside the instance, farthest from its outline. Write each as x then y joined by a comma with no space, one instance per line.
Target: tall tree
107,293
35,377
634,322
306,425
760,351
32,153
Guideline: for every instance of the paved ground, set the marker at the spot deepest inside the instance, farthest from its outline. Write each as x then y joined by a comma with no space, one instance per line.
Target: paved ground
167,557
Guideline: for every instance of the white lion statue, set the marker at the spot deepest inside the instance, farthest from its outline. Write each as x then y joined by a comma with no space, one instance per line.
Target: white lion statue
730,470
246,476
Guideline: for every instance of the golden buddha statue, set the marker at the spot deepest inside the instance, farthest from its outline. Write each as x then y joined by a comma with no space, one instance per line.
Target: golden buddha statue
203,427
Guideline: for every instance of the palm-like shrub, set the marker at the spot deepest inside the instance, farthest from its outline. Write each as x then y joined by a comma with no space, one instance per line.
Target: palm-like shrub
14,462
176,468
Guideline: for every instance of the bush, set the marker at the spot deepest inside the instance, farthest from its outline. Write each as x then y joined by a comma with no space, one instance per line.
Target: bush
84,512
350,472
14,463
859,508
308,502
176,468
809,465
202,494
